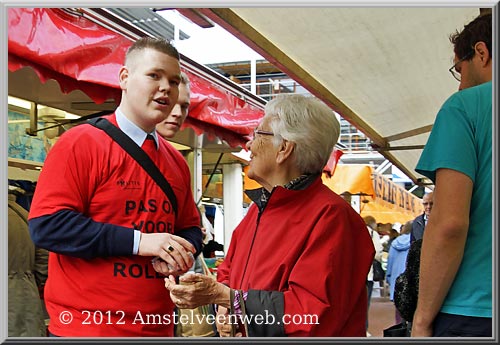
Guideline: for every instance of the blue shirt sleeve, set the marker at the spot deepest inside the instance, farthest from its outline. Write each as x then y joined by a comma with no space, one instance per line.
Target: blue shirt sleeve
71,233
194,236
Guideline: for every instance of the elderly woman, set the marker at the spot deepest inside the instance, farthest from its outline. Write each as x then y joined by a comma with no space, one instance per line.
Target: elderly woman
298,261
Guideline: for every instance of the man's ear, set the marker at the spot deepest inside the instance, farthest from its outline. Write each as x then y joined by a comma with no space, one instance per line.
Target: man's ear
285,151
483,53
123,77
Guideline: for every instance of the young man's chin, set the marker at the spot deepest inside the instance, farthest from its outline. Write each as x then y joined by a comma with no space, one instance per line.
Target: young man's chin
167,132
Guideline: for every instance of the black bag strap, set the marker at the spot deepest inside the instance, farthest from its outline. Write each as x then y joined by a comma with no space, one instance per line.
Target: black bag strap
136,152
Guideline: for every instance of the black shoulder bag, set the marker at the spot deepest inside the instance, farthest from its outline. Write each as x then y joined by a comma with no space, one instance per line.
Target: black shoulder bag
406,285
138,154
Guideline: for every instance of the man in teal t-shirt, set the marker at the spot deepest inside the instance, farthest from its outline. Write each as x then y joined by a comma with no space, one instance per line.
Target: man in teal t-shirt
455,291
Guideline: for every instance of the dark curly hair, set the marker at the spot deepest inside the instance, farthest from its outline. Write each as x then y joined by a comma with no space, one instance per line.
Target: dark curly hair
478,30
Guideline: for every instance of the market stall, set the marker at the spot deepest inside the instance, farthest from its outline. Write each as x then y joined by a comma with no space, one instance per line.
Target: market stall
378,195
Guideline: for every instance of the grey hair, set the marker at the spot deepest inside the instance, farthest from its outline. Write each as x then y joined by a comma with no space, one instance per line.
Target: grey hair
307,122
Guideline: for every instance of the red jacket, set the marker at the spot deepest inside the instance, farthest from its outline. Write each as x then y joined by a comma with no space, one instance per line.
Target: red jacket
314,248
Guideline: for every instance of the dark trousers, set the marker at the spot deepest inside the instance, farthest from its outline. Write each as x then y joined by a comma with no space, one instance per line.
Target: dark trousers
449,325
369,290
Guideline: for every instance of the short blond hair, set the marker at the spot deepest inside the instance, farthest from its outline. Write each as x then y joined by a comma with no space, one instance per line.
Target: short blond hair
159,44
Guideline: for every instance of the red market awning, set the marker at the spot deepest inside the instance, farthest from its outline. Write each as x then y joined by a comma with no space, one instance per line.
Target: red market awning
75,52
330,166
216,112
83,55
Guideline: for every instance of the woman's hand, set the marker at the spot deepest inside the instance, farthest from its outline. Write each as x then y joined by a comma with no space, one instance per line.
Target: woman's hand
223,323
197,289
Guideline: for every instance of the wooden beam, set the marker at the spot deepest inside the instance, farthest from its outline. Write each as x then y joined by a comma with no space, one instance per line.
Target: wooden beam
398,148
410,133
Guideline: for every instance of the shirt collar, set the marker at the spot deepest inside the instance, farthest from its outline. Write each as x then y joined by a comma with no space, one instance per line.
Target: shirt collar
261,195
132,130
301,182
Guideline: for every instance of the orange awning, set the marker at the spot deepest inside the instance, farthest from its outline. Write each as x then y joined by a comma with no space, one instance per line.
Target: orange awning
381,198
386,213
352,178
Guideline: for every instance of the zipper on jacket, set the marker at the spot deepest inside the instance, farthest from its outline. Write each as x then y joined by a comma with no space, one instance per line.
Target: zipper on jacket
259,215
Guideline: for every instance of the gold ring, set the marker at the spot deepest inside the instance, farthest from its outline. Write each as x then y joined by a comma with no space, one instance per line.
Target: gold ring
170,248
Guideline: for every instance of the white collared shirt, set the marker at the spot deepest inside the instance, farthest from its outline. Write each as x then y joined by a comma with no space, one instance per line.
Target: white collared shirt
132,130
138,136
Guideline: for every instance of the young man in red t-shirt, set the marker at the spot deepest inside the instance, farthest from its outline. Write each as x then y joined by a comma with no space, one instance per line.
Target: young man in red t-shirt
104,219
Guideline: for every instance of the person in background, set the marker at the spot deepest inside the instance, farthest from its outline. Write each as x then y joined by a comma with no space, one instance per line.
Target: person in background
167,129
27,276
420,222
210,212
455,289
210,244
347,196
207,227
396,261
173,122
294,251
384,230
371,226
104,218
393,234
